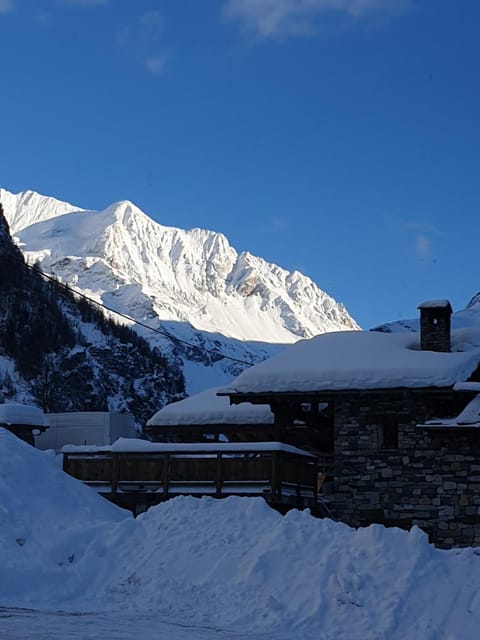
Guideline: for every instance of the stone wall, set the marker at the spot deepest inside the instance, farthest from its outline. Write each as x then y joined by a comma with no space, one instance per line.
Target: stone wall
432,480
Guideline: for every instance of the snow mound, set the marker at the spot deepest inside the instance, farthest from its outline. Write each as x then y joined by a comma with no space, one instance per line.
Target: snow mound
230,565
15,413
46,519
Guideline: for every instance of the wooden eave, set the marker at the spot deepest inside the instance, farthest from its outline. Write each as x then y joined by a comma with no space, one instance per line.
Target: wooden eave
273,397
210,427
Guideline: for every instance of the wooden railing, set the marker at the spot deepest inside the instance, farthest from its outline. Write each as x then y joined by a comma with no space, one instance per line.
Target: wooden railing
280,476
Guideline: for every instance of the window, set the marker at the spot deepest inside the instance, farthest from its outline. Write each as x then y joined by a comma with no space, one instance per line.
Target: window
388,436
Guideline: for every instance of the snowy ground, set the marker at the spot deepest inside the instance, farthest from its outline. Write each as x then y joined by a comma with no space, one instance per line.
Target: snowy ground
22,624
206,568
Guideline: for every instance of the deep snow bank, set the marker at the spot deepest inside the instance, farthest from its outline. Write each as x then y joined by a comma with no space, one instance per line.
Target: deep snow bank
230,564
46,519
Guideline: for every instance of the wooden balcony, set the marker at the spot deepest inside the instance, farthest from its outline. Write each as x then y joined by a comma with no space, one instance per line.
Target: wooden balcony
138,474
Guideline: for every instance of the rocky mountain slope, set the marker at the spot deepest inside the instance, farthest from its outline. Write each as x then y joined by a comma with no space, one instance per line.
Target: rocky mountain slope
191,284
65,355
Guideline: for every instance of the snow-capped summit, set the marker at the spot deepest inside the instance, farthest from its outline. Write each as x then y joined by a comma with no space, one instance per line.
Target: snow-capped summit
190,276
31,207
191,283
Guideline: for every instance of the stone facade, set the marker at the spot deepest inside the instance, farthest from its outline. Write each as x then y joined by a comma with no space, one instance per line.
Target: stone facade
390,471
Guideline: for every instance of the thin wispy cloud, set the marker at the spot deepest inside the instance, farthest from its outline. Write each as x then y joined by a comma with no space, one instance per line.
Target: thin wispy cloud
146,31
156,65
84,3
144,39
286,18
274,225
6,6
424,228
423,247
424,236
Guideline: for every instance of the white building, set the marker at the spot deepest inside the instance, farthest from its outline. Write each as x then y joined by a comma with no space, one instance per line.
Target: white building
86,428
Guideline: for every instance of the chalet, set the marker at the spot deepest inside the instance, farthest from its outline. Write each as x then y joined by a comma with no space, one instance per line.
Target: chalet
25,421
398,413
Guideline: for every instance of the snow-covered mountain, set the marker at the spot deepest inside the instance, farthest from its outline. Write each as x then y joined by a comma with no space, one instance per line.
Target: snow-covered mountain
192,284
463,319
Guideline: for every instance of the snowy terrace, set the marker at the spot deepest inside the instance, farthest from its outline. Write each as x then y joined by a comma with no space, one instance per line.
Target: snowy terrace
355,360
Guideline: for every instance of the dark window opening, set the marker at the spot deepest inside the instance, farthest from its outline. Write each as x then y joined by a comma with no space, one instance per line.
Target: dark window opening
388,436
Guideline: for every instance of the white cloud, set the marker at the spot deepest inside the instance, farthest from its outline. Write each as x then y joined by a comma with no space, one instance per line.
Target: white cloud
283,18
6,6
156,64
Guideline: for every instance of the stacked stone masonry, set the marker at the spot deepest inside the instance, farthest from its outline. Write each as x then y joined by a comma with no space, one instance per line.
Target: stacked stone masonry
431,479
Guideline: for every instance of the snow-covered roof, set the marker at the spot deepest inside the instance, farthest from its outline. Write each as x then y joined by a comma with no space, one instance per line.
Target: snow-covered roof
362,360
132,445
13,413
207,408
435,304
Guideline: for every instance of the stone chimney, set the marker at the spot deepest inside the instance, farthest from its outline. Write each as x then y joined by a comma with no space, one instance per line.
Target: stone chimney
435,325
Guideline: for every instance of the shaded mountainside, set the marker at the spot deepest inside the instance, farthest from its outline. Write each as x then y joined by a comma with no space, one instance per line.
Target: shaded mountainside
192,284
63,352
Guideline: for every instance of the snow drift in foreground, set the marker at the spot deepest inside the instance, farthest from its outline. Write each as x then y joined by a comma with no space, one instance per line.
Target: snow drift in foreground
230,564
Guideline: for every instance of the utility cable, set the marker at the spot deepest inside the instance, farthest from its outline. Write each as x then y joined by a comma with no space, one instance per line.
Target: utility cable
103,306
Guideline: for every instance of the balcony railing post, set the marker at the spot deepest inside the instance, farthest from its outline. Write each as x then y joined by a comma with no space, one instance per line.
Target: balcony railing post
218,480
166,473
114,472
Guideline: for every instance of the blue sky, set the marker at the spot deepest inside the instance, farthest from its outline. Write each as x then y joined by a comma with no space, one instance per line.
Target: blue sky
337,137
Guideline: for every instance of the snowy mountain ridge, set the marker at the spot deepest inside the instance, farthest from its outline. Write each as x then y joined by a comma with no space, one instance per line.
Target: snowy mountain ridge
190,276
192,284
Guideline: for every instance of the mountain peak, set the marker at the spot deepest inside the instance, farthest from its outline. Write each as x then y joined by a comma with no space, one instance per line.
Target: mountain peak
192,281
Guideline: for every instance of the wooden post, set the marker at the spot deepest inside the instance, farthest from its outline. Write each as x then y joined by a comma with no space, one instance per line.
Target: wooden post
274,476
166,473
299,479
218,480
282,418
114,472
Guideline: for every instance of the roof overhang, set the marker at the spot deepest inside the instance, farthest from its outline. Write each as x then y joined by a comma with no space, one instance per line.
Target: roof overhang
269,397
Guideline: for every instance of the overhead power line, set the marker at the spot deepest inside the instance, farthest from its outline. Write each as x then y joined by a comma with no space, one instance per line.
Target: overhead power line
103,306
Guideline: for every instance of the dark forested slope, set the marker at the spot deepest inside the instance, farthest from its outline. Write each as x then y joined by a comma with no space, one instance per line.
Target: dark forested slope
67,354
